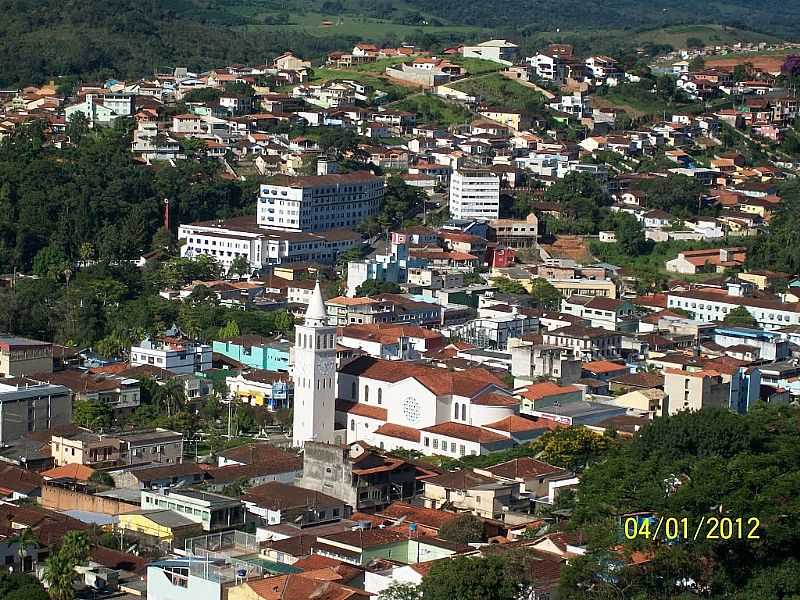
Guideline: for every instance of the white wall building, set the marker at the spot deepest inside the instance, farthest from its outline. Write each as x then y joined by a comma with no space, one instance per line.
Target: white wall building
241,236
176,356
320,202
474,195
314,375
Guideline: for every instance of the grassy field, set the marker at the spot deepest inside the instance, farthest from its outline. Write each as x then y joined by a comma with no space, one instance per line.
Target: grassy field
376,79
498,91
432,109
476,66
677,35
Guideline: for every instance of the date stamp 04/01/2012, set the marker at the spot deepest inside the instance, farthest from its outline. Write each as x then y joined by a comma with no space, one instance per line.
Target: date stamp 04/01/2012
676,529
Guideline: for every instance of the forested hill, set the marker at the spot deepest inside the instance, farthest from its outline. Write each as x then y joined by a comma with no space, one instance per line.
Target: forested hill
40,39
45,38
773,16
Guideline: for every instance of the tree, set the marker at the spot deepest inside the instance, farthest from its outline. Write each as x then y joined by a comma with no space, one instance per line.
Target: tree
698,63
92,414
373,287
571,447
240,267
740,317
75,547
102,478
50,262
545,294
401,591
164,240
230,331
780,250
26,539
630,235
463,529
508,286
470,579
59,573
19,586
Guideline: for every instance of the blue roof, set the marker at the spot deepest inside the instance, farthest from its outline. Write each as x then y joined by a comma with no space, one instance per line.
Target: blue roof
747,332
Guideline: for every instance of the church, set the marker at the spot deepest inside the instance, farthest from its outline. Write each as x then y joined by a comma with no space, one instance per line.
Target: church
398,404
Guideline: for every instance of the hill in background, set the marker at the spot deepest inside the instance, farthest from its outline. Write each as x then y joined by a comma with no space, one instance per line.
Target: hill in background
40,39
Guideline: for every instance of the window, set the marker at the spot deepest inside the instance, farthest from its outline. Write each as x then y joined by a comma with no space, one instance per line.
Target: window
435,443
352,424
455,415
463,412
453,447
380,395
428,442
366,393
354,390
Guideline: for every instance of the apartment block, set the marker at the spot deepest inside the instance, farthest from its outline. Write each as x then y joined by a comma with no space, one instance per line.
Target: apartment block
474,194
320,202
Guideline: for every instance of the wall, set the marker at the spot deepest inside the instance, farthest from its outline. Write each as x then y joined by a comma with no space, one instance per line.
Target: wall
61,499
325,470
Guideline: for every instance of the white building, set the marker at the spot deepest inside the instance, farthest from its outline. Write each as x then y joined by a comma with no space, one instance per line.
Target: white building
320,202
474,194
178,356
500,51
397,404
314,375
242,237
710,306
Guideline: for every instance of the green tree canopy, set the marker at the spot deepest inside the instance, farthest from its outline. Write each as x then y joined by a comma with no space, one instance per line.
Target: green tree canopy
740,317
463,529
469,578
373,287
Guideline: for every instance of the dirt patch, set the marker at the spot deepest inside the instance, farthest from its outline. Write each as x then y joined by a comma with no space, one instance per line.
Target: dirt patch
767,63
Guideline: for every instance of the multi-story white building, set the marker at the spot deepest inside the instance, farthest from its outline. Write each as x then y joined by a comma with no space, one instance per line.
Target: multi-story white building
314,375
178,356
242,237
320,202
711,306
474,194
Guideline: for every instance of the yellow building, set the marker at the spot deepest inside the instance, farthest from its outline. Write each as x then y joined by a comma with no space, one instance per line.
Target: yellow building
163,526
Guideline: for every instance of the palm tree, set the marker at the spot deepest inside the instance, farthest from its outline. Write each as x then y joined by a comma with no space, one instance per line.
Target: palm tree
59,573
26,539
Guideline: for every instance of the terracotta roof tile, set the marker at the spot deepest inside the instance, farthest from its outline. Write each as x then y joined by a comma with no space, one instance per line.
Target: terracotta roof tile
469,433
399,431
517,424
362,409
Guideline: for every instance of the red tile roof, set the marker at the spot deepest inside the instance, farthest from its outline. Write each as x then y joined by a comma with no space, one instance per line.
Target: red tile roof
537,391
469,433
399,431
75,471
439,381
494,399
429,517
362,409
517,424
602,366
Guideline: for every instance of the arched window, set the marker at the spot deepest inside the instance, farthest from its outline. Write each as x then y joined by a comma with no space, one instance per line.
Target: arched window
455,412
463,412
380,395
366,393
354,390
352,424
